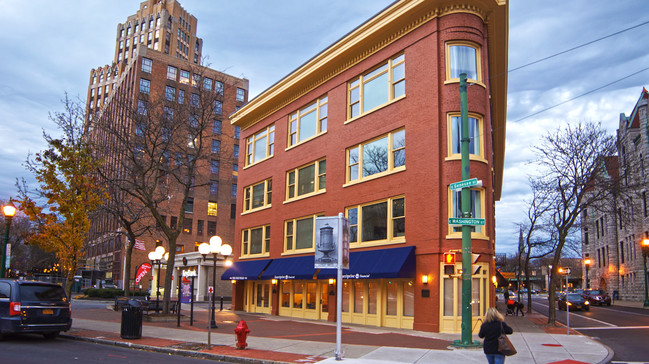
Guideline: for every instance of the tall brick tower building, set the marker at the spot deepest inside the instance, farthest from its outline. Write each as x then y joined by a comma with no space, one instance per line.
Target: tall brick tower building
156,78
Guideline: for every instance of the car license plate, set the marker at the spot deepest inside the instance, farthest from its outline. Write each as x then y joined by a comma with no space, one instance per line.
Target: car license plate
48,311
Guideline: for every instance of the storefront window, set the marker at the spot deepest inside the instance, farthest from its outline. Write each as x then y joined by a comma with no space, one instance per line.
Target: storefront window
391,298
286,293
358,296
324,294
310,295
298,293
448,297
409,298
345,305
371,297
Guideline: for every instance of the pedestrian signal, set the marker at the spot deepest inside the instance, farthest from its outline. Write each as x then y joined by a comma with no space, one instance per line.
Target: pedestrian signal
449,258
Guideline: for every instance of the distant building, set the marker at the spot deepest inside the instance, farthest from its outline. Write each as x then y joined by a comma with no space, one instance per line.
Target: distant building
157,60
369,128
612,230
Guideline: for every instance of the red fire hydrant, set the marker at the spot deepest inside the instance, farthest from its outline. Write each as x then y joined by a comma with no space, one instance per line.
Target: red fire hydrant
242,333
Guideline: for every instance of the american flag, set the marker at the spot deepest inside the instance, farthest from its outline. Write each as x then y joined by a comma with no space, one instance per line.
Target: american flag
139,244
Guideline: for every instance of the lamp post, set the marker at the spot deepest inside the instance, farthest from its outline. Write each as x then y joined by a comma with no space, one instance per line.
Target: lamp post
587,263
215,247
156,257
645,252
9,211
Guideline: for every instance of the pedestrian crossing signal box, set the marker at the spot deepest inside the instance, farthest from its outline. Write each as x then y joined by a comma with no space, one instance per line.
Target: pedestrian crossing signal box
449,263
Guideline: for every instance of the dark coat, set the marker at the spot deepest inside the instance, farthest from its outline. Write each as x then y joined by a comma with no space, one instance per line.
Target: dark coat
490,331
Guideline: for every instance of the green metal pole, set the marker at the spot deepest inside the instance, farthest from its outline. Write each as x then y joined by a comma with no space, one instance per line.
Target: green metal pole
4,246
466,339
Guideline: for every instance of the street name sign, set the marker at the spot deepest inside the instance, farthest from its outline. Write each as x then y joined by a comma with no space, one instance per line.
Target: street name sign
465,221
466,183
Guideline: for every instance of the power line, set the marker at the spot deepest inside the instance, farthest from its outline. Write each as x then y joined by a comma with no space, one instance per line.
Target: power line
579,46
584,94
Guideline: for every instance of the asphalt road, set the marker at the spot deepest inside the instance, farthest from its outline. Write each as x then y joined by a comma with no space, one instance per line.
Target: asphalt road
623,329
33,349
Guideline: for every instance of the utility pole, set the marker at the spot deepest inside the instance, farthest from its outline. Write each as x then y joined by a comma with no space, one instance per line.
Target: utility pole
466,339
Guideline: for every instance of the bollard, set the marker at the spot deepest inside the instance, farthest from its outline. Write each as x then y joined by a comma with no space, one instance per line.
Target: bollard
242,334
221,309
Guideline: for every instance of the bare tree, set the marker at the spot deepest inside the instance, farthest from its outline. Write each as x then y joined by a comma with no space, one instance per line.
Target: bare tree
569,158
160,147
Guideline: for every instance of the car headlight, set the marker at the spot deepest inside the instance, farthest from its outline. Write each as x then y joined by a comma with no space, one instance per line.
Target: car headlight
586,303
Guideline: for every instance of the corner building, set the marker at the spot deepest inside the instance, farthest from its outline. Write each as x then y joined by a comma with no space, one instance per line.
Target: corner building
369,127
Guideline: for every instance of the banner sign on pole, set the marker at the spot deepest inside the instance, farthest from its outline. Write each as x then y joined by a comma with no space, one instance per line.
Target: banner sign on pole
331,232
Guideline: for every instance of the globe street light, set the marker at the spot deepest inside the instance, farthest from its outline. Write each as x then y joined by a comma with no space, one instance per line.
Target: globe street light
645,252
9,211
215,247
587,263
156,257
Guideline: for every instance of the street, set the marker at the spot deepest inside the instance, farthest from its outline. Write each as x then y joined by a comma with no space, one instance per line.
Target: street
623,329
28,349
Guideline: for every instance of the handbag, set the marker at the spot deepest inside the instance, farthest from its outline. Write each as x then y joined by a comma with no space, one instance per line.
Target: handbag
505,346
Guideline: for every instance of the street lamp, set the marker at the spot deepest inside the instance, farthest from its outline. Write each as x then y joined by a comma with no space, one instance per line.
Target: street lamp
9,211
156,257
587,263
645,252
215,247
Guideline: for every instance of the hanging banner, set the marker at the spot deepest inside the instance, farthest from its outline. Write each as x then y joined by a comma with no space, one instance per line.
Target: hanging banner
142,271
332,232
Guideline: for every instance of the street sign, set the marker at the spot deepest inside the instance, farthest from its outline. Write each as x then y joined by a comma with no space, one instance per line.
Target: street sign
465,221
210,289
473,182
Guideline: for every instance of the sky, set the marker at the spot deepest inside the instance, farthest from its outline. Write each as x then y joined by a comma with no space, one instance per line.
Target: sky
47,48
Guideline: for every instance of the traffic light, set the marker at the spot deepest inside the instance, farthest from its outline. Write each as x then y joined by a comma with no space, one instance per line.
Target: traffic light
449,263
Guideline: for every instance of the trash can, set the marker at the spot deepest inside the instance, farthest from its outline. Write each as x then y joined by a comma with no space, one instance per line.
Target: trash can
131,320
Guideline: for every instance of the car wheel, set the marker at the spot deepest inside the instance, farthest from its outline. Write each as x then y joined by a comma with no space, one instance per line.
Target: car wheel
51,335
587,308
608,303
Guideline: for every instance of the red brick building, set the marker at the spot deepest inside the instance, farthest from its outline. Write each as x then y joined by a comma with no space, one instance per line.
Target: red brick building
369,127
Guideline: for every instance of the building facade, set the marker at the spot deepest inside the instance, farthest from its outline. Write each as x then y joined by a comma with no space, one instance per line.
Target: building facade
613,229
151,83
369,128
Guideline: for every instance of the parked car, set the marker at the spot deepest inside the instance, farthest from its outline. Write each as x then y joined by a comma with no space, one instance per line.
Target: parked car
33,307
576,301
598,297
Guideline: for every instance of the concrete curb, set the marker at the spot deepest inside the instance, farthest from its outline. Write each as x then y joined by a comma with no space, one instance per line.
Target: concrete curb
173,351
610,355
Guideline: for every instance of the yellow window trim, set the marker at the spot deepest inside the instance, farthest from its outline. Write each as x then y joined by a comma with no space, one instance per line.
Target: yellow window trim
266,204
447,59
244,257
449,136
478,234
391,150
316,163
302,197
294,221
257,162
389,217
472,82
263,242
318,105
253,138
390,65
256,210
374,109
375,176
473,157
305,140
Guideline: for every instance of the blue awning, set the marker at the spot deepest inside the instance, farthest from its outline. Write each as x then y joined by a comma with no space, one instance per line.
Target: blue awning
250,269
378,263
290,268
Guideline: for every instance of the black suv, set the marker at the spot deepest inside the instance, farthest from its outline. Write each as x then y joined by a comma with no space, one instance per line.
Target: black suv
33,307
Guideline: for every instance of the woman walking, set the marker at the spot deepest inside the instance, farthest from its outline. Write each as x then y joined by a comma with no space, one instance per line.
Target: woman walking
490,330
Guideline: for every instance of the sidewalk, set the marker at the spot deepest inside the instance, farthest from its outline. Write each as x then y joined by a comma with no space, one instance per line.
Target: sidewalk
276,339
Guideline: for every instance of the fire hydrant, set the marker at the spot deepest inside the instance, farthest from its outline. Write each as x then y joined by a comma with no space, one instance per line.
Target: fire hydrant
242,333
